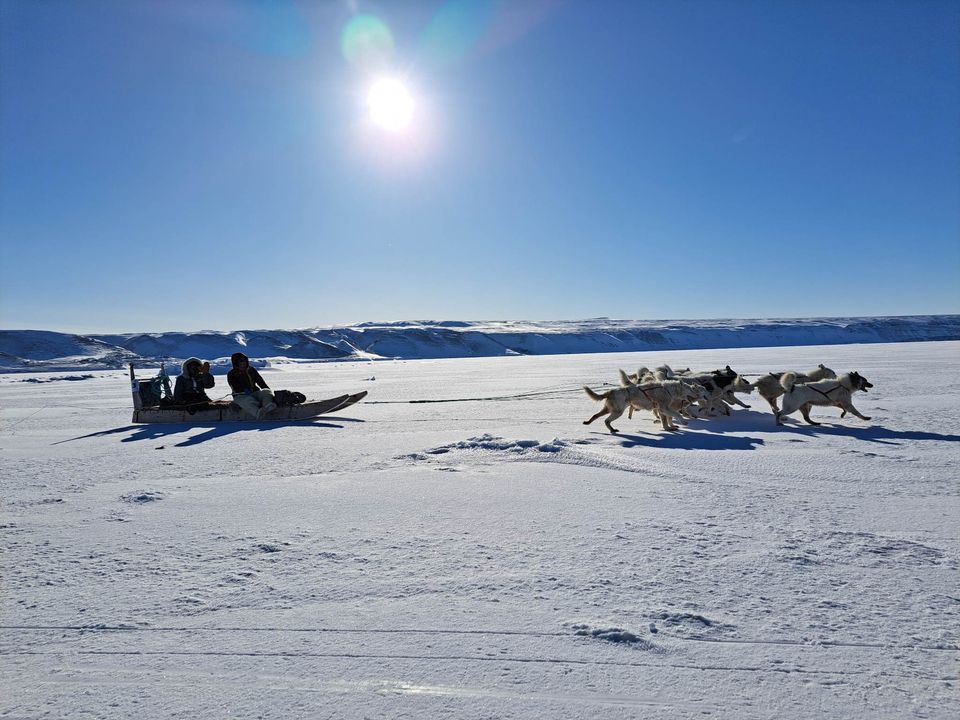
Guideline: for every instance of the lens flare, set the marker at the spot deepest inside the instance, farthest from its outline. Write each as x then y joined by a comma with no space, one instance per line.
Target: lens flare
390,104
366,42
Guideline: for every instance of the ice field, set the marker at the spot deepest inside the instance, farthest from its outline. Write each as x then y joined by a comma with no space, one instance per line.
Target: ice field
485,558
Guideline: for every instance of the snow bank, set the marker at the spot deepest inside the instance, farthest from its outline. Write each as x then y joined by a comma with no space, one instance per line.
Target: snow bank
34,350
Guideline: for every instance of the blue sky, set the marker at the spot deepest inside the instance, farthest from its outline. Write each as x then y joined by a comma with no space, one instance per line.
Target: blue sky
185,166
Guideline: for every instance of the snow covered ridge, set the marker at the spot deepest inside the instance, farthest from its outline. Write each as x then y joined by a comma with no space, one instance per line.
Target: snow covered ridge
36,350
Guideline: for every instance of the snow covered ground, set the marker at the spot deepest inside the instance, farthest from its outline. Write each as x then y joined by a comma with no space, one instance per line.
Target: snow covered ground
488,558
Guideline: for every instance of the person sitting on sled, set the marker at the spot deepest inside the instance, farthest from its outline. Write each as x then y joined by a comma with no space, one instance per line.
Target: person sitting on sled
193,380
250,391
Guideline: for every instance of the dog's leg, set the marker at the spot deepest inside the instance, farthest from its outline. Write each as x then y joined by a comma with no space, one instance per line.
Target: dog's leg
848,407
614,414
773,404
805,411
677,413
599,414
667,417
733,399
665,421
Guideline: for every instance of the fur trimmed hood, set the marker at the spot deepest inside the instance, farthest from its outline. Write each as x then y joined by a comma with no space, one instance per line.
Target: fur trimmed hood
183,367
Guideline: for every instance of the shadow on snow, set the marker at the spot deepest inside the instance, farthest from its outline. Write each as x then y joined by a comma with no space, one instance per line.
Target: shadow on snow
712,434
157,431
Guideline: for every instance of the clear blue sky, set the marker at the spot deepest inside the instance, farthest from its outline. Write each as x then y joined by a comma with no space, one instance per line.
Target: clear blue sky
211,165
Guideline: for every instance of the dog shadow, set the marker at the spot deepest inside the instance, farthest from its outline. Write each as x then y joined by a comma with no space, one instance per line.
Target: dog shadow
736,421
756,421
687,440
871,433
211,431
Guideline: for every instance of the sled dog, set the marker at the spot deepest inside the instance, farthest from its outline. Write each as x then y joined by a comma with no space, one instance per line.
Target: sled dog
838,393
656,397
769,387
682,401
721,386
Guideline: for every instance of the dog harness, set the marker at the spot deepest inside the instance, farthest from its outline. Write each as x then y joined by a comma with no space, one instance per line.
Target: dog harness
827,393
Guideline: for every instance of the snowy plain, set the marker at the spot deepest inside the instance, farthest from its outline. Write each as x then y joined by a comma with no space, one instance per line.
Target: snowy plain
485,558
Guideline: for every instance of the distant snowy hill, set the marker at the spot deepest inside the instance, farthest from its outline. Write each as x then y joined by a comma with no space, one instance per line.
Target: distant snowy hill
34,350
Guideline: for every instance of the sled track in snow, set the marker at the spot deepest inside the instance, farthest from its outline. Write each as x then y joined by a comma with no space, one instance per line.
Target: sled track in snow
472,658
436,631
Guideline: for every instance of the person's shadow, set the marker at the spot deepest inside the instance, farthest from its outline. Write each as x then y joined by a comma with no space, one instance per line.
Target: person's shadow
158,431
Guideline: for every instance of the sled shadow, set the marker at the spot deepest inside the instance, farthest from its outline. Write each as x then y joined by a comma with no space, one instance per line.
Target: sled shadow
158,431
687,440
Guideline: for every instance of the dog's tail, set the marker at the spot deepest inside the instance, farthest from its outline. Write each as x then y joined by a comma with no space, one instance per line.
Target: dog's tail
625,379
787,381
595,396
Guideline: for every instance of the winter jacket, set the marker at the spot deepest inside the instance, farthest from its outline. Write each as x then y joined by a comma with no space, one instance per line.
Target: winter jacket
190,389
245,380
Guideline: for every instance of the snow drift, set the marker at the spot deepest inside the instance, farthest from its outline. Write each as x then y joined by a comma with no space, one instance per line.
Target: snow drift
32,350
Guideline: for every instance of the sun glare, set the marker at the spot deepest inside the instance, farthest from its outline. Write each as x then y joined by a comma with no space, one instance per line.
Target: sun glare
390,104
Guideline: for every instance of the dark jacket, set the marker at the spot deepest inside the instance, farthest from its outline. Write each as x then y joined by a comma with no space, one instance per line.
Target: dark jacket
245,380
190,388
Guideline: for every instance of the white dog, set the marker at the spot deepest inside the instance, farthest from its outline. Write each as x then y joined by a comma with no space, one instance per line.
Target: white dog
682,402
838,393
769,387
660,398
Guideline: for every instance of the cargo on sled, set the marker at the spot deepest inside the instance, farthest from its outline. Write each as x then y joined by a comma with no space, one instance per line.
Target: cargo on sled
153,403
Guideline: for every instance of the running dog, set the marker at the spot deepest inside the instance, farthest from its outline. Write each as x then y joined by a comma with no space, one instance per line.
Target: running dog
837,393
721,386
769,387
658,374
617,401
682,402
659,398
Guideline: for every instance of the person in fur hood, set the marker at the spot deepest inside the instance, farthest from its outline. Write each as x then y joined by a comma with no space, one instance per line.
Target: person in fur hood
193,381
250,391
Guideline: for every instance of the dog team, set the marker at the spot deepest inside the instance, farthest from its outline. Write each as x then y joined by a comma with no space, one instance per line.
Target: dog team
674,396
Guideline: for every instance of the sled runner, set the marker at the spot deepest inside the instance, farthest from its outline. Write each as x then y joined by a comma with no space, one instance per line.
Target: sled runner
149,406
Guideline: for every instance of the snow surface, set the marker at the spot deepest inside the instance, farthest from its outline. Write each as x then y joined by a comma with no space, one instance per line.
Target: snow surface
485,558
33,350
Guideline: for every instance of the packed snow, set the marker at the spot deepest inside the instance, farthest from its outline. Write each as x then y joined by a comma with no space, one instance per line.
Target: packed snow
487,556
32,350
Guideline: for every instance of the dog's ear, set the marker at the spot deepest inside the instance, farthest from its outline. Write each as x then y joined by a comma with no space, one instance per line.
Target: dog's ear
822,366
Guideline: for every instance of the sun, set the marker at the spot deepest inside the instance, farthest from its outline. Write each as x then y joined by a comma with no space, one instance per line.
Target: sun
390,104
